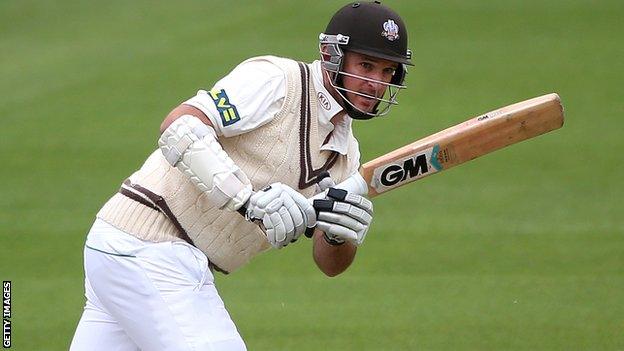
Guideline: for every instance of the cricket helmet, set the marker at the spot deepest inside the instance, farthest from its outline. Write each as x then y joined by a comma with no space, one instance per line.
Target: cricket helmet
372,29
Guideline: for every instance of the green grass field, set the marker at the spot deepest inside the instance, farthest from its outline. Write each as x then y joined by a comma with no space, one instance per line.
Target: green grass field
520,250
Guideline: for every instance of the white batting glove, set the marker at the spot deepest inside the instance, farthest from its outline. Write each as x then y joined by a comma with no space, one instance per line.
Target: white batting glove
284,212
343,216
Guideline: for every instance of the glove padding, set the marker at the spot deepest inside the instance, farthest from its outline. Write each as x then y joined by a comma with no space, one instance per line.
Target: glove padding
284,212
344,216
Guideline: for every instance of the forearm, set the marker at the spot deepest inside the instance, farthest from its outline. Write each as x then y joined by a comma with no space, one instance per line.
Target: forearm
332,259
181,111
190,145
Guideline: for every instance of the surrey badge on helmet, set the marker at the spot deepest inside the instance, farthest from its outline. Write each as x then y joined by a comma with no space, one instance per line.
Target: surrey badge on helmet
391,30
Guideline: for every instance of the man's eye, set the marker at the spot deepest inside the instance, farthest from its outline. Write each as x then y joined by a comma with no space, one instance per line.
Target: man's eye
390,71
366,65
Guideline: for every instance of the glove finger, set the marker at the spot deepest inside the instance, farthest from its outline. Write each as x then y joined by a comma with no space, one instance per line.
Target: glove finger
337,231
253,209
304,205
263,198
296,215
344,208
271,237
260,211
361,237
253,199
269,230
293,209
255,212
360,202
289,227
277,224
342,220
354,199
274,205
353,211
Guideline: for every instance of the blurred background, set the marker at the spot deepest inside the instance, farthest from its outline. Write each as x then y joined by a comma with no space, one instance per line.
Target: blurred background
522,249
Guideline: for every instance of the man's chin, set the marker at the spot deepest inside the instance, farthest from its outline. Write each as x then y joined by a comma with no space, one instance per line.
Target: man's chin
365,105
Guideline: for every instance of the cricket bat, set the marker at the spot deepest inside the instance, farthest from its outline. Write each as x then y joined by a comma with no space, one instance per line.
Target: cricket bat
458,144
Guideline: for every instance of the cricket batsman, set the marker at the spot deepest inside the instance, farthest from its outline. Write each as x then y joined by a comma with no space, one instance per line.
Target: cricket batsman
233,176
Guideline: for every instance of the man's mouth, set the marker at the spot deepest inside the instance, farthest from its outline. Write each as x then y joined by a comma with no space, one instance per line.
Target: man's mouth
367,95
367,102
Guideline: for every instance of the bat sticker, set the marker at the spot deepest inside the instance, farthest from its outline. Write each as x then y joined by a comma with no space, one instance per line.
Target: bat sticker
421,164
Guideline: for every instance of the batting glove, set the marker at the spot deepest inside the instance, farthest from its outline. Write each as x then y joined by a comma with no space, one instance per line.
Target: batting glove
343,216
284,212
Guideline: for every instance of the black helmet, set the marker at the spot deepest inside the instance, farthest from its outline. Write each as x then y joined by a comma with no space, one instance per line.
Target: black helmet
373,29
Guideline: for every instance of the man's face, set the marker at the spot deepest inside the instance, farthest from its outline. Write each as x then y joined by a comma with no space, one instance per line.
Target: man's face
371,68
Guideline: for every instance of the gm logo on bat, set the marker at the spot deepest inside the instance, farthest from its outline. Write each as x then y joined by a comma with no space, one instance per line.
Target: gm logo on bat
416,166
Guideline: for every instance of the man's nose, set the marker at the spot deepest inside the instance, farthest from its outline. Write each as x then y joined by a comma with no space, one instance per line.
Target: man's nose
376,85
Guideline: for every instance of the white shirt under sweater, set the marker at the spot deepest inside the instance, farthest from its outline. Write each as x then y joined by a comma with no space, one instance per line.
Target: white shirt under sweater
258,88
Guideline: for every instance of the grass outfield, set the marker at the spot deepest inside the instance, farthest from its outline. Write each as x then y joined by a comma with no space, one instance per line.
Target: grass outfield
520,250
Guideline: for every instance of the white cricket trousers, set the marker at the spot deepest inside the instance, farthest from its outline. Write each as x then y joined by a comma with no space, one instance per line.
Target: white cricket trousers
150,296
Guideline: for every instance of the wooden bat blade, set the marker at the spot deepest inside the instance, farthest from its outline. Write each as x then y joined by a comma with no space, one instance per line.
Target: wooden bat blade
463,142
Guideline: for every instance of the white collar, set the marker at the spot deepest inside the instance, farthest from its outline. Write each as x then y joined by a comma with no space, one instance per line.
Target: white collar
328,107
